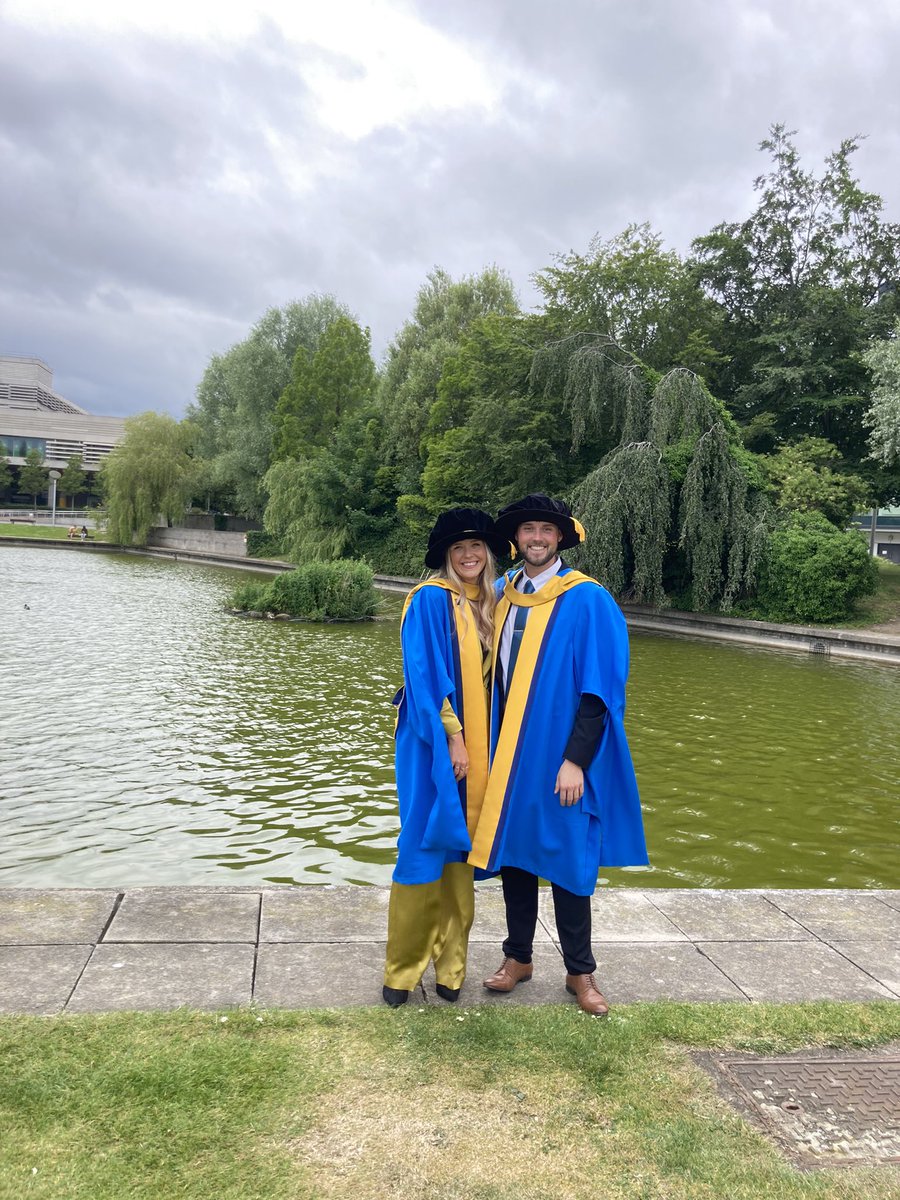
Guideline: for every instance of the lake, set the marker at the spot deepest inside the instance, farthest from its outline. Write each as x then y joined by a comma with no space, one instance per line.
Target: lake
150,738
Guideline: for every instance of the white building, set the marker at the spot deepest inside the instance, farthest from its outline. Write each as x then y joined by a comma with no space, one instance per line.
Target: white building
886,542
34,417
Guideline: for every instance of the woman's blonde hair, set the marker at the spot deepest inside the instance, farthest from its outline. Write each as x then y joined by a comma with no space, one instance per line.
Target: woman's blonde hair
484,603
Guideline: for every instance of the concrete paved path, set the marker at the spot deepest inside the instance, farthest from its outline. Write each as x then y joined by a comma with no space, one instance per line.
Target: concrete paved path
146,949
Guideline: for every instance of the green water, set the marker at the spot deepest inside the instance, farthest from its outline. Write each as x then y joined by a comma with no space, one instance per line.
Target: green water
148,738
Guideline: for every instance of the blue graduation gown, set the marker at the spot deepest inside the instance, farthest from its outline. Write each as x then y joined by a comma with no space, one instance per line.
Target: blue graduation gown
575,642
441,659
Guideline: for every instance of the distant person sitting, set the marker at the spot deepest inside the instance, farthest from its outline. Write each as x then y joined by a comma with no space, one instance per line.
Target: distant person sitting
84,533
72,531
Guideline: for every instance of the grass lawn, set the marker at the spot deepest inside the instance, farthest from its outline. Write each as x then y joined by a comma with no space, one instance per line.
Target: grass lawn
54,532
435,1104
884,605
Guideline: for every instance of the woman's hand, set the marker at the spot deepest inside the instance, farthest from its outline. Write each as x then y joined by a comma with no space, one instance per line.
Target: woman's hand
459,755
569,784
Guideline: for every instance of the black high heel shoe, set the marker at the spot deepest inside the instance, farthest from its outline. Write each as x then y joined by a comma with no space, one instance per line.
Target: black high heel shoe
394,996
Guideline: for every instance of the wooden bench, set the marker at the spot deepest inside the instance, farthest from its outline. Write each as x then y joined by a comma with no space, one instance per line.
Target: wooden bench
21,520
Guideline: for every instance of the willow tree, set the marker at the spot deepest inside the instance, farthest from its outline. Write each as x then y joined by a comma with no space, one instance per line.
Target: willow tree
721,528
148,477
722,519
625,506
678,494
604,389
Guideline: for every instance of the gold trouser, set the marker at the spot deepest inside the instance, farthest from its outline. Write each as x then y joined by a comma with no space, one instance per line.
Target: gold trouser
430,920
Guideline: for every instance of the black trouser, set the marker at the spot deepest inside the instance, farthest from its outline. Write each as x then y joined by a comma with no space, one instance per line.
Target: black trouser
573,921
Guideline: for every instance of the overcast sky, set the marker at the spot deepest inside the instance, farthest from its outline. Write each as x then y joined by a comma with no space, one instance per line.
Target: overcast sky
170,170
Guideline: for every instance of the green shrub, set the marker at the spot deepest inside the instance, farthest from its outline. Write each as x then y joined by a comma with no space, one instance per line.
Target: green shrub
249,597
261,544
322,591
400,553
814,571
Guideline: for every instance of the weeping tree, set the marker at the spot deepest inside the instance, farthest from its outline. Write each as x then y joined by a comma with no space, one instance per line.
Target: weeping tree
677,494
604,389
625,505
148,476
722,529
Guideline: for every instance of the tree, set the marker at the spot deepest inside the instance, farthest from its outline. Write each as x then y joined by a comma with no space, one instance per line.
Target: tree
333,503
33,475
148,476
605,390
72,479
883,417
682,500
803,481
645,299
415,361
802,286
325,388
236,399
5,471
502,425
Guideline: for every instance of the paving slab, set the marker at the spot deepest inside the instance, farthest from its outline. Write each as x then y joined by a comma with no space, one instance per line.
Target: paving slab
173,915
793,972
878,959
630,916
547,985
841,916
149,978
53,916
194,946
325,914
38,980
728,916
628,972
320,974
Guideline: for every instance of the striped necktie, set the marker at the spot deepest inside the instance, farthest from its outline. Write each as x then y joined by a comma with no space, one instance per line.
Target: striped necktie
518,630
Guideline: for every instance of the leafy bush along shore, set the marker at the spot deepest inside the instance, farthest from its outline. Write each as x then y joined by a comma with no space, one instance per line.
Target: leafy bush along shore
316,591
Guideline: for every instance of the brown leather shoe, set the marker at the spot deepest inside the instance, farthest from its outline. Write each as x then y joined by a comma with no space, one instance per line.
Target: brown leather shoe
509,974
590,998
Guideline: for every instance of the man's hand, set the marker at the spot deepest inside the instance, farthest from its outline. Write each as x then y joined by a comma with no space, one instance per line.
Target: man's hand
569,783
459,755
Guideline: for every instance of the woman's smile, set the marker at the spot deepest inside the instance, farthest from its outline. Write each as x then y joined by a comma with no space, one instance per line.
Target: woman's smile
468,558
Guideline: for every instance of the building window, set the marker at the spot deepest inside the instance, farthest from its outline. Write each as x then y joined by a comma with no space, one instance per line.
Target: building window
18,447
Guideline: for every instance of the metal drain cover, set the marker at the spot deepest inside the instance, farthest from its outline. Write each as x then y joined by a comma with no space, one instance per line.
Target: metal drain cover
827,1109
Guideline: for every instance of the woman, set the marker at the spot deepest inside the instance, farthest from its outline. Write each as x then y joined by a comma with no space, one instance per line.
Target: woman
441,753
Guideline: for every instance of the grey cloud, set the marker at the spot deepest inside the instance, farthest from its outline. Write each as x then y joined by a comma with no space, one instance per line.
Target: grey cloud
125,260
117,160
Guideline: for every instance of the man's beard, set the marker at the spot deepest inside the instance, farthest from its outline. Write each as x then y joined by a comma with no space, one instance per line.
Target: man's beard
546,556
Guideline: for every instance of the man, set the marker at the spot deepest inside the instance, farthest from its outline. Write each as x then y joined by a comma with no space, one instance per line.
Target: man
562,798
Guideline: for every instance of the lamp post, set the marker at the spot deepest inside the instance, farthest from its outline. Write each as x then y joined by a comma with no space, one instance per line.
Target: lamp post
53,475
873,530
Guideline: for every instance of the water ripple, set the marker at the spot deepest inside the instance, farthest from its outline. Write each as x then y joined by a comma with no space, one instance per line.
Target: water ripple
148,738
